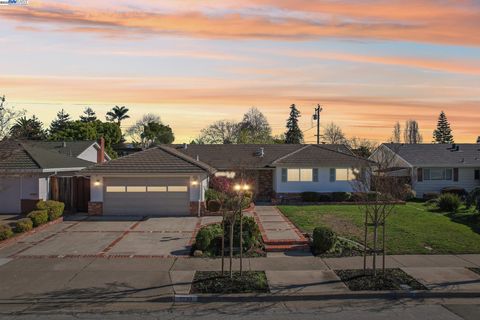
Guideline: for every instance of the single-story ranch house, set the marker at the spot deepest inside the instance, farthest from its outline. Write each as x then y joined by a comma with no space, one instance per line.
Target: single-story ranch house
432,167
172,179
28,170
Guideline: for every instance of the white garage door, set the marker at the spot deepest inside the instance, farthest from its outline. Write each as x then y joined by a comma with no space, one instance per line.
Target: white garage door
146,196
10,195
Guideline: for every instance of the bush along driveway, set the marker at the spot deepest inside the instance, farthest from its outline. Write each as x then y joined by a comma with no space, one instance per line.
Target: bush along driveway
412,229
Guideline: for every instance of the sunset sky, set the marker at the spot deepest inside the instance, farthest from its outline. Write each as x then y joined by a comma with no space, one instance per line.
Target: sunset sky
370,63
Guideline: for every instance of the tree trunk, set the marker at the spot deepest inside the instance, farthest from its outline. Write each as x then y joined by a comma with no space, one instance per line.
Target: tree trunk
232,225
383,248
223,243
375,238
241,240
365,245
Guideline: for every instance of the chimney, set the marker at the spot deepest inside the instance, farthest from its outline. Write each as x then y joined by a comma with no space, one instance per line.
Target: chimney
101,151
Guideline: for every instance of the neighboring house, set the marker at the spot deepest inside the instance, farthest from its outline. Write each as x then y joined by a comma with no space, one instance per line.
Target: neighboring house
28,167
432,167
171,180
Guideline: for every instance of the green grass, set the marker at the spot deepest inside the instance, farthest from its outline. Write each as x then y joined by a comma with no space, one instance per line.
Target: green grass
412,229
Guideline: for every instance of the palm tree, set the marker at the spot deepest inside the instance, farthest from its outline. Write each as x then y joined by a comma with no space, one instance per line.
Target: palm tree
118,114
30,129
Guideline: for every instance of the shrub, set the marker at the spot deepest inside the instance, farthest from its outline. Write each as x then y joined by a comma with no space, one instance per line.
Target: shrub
341,196
408,193
323,197
251,233
5,232
23,225
221,184
54,208
461,192
212,194
309,196
324,239
449,202
205,236
430,195
38,217
214,205
246,201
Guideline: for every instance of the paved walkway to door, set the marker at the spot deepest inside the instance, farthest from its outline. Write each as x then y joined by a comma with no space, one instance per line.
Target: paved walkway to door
277,231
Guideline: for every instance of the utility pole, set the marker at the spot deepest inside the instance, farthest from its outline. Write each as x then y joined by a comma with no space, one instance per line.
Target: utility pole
316,116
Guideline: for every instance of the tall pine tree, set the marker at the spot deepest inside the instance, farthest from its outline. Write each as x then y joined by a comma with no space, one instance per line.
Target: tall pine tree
89,115
443,133
293,135
60,122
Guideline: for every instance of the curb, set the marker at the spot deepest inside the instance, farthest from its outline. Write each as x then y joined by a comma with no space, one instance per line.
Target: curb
21,236
360,295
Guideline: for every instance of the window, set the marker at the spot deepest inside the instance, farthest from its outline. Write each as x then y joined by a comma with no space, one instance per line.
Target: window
438,174
136,189
227,174
115,188
156,189
299,175
177,188
343,174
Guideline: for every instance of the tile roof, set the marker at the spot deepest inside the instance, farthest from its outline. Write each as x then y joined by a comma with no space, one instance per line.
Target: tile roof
232,156
158,160
467,155
69,148
18,155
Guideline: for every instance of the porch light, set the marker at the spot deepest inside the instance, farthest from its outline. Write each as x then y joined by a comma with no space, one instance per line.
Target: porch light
96,183
237,187
194,182
240,187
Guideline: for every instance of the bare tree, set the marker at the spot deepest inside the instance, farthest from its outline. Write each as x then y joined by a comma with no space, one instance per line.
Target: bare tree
8,116
397,133
220,132
379,204
412,132
136,131
332,133
361,147
254,128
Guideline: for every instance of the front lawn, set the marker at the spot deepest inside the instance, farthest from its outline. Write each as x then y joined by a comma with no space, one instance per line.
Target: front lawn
412,229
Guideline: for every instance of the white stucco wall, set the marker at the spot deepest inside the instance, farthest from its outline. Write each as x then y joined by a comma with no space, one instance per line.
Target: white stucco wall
43,186
323,185
90,154
30,187
466,180
195,193
96,189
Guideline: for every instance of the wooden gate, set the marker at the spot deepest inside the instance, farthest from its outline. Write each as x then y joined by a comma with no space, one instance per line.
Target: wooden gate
73,191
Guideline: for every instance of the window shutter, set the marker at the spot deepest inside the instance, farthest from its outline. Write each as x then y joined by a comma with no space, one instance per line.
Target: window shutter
419,174
284,174
333,175
315,174
455,174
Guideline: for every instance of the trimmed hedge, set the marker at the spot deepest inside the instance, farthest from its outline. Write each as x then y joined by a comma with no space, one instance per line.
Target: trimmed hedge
38,217
54,208
214,205
5,232
309,196
23,225
341,196
324,239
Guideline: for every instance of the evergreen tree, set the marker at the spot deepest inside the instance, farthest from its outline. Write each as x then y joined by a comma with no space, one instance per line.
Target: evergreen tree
443,133
89,116
60,123
293,135
28,129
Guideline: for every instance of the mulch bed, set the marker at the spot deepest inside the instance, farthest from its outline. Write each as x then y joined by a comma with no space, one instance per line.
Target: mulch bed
393,279
214,282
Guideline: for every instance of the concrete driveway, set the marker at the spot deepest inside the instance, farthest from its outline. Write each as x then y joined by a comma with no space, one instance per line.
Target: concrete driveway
109,237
